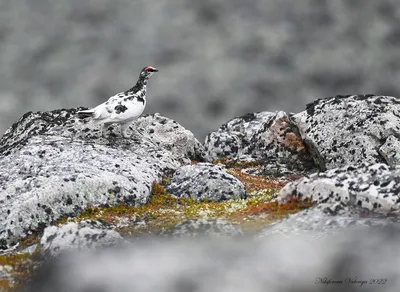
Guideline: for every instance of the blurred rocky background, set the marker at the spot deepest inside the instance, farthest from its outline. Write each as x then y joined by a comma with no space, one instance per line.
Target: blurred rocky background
217,58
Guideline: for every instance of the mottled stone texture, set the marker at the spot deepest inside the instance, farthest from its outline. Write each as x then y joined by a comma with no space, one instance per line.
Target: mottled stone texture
205,181
349,130
374,187
269,138
85,235
53,165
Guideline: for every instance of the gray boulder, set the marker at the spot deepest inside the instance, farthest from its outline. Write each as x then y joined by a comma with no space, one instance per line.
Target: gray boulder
171,136
373,187
53,165
85,235
266,137
390,150
205,181
355,129
203,227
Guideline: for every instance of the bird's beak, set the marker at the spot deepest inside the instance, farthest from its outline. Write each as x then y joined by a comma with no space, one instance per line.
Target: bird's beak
155,70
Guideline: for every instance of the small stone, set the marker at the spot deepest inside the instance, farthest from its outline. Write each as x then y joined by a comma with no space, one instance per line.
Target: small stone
205,181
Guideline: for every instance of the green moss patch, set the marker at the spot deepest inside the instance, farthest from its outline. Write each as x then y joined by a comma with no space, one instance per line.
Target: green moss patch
164,210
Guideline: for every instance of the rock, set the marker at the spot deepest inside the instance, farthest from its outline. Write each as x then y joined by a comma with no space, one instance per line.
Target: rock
349,130
316,222
170,135
374,187
205,181
266,137
53,165
88,234
390,150
5,271
203,227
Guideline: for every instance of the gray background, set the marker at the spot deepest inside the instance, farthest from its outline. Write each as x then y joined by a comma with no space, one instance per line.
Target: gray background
217,58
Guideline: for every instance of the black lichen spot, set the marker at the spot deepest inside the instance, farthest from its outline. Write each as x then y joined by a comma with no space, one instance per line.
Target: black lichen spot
69,201
163,121
120,109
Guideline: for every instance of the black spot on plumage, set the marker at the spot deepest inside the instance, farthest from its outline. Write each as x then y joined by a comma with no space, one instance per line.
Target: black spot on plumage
140,99
120,109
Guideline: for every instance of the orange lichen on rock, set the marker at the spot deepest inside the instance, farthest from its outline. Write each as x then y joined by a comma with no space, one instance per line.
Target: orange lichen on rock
256,216
294,142
20,267
256,182
293,205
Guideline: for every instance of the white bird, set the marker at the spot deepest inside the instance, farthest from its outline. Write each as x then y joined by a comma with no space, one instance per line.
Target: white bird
122,108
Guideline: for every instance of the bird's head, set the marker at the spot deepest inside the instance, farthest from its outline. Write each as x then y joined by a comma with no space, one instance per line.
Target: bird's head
147,72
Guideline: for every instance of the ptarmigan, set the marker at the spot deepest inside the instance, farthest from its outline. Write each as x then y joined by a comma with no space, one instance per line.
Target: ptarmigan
122,108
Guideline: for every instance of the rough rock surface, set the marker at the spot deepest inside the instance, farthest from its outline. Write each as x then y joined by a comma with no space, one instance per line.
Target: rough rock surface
203,227
390,150
171,136
374,187
85,235
317,222
52,165
205,181
267,137
348,130
266,264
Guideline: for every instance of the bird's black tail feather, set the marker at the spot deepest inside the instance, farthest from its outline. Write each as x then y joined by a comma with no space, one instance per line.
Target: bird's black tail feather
85,114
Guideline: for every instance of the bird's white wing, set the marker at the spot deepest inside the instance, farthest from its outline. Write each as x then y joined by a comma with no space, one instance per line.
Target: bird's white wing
106,109
128,108
119,107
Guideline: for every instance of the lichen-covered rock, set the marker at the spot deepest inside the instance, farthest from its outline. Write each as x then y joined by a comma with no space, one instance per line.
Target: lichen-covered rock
88,234
53,165
348,130
171,136
390,150
205,181
374,187
316,222
267,137
203,227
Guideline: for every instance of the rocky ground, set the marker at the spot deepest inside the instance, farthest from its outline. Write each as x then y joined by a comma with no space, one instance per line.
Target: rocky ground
270,201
